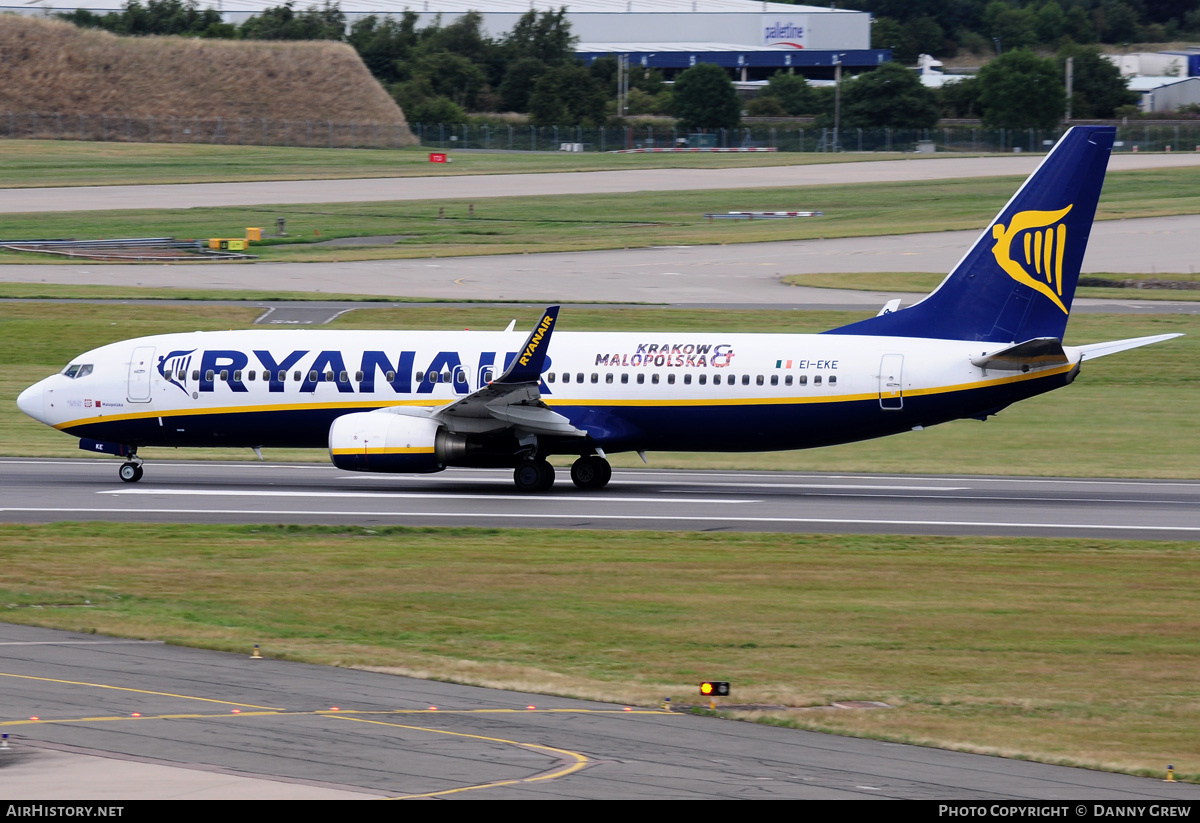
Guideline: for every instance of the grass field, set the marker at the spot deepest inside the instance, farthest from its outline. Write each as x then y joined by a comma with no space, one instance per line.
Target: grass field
1077,651
920,282
32,163
599,221
1129,415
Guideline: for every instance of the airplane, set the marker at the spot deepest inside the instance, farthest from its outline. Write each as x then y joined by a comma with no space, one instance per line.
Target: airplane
420,401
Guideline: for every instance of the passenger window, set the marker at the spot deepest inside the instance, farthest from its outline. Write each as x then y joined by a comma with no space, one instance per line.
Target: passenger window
328,377
758,381
251,375
358,377
487,375
774,380
196,374
420,376
817,380
209,375
625,378
550,377
687,380
671,378
224,375
390,377
716,379
787,380
608,378
802,380
746,380
703,379
641,379
654,378
579,377
595,377
237,376
446,377
343,377
832,379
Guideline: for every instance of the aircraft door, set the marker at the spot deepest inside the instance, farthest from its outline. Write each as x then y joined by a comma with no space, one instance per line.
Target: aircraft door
140,364
891,388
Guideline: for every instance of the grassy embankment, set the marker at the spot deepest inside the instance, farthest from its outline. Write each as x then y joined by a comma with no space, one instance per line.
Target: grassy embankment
602,221
1075,651
1129,415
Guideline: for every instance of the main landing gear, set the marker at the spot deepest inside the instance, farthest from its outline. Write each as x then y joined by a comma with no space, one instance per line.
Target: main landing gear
131,471
590,472
535,475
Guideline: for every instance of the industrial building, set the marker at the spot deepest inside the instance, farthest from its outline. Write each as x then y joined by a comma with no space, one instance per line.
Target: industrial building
752,39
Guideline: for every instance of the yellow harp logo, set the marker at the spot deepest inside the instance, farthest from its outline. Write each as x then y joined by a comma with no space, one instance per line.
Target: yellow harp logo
1044,251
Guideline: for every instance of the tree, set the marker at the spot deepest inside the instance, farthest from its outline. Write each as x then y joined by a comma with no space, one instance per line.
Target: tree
518,83
705,98
385,44
960,98
792,93
890,96
567,95
545,36
1019,90
1098,88
285,23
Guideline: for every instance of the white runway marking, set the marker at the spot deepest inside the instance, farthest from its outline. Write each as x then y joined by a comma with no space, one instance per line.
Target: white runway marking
405,495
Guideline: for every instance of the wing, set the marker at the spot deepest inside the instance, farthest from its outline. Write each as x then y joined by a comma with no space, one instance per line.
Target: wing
513,399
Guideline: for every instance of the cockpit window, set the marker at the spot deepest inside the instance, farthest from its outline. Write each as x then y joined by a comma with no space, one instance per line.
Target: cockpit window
76,370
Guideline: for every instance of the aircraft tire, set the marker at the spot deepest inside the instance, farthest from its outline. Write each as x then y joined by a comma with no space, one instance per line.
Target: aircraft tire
591,472
533,476
130,472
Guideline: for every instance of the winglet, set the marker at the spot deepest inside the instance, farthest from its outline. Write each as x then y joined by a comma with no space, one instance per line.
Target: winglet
527,366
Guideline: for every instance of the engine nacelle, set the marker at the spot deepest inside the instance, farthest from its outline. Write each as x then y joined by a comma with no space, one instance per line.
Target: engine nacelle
382,442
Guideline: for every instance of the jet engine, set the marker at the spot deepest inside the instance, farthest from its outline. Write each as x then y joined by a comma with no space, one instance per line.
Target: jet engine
386,442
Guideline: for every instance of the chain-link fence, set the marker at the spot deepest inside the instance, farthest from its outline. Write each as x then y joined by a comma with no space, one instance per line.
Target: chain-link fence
447,136
964,139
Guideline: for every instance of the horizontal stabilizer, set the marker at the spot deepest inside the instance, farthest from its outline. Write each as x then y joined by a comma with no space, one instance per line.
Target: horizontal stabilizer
1095,350
1032,354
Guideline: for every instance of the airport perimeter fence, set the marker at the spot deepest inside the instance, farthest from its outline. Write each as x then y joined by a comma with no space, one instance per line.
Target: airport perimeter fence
443,137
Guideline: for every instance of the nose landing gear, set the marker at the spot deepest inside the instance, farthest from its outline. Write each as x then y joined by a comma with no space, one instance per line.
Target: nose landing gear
130,471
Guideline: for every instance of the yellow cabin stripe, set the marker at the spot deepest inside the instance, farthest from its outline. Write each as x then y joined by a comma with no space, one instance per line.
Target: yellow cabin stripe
559,401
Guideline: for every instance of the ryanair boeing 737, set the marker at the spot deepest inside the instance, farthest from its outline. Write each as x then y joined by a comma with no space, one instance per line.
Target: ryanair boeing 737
419,401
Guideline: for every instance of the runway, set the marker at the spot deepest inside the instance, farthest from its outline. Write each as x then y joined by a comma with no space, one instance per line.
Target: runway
127,720
36,491
739,274
445,187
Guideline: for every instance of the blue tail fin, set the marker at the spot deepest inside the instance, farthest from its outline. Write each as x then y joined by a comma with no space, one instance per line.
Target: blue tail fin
1017,281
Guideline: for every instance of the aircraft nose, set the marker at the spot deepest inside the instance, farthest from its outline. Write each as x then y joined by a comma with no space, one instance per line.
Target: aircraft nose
31,402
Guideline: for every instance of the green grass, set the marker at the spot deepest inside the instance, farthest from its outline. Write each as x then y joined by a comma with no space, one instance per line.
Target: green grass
1128,415
600,221
924,282
1061,650
31,163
